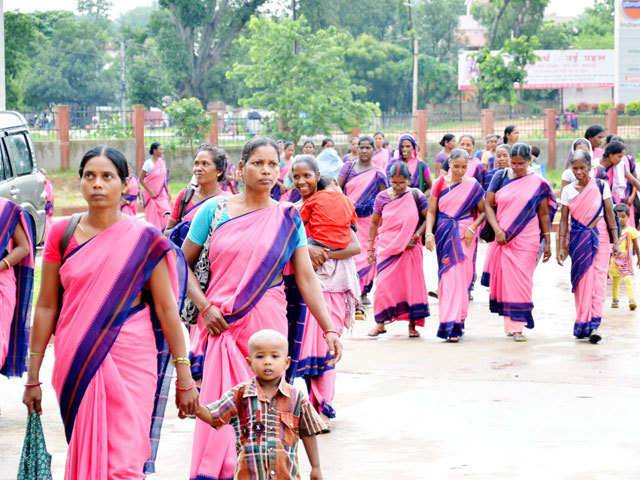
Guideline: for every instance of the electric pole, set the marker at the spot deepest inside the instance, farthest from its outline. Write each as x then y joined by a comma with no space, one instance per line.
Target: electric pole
123,87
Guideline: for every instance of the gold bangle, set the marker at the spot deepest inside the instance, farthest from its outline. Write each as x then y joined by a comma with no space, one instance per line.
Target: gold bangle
36,354
182,361
6,262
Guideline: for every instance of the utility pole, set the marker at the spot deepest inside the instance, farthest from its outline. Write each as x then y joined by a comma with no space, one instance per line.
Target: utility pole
414,34
123,88
3,92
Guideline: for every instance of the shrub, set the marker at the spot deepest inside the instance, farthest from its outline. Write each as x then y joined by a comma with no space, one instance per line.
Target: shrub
604,106
572,107
190,119
633,108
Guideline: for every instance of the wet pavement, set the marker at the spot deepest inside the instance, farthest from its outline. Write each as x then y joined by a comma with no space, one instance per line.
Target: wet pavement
486,408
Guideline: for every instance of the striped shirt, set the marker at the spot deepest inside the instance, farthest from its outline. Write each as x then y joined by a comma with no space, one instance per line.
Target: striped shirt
267,431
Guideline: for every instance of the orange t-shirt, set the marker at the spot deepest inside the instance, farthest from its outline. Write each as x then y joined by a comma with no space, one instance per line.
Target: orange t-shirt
328,217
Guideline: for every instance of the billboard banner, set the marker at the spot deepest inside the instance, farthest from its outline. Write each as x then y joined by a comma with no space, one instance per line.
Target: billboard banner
553,69
627,64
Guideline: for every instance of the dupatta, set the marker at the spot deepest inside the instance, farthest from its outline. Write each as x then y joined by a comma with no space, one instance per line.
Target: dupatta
454,204
95,307
11,215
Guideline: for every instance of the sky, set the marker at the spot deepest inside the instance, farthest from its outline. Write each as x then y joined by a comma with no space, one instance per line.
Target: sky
562,8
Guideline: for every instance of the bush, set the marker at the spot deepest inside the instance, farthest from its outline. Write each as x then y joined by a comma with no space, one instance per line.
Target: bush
536,110
191,120
572,107
604,106
633,108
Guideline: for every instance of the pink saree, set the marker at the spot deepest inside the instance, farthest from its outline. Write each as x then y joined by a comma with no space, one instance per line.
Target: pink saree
455,257
15,292
130,199
590,249
157,209
401,292
111,358
362,189
381,158
513,264
249,301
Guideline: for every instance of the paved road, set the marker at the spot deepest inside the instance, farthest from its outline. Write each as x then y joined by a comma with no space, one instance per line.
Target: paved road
487,408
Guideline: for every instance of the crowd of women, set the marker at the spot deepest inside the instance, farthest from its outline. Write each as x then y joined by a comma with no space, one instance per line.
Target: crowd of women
316,236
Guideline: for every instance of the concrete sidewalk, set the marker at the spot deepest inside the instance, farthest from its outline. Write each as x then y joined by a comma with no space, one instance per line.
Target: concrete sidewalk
486,408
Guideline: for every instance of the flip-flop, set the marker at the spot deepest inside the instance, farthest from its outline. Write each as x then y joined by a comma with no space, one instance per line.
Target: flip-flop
414,334
453,339
376,332
360,314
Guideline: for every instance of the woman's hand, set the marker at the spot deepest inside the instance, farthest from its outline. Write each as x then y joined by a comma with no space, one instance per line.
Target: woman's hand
412,243
316,474
187,401
32,398
561,255
547,251
501,237
214,321
430,242
371,257
468,236
318,256
335,347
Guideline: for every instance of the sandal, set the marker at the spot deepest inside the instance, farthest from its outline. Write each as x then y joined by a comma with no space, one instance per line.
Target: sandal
453,339
377,331
519,337
413,333
360,314
594,337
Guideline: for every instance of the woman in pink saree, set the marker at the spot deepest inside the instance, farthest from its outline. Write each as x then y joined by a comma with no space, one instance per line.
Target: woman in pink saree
502,161
209,167
338,278
17,251
524,206
395,247
129,203
588,202
109,291
154,178
456,211
381,155
419,169
245,291
361,181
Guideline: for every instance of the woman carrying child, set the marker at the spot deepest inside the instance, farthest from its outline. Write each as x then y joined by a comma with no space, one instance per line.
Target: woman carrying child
361,181
456,209
588,202
519,207
250,238
395,248
328,216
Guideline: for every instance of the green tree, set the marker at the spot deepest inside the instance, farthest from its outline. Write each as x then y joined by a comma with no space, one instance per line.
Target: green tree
21,43
499,71
72,66
555,36
201,32
595,26
147,79
190,119
95,8
505,19
310,89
